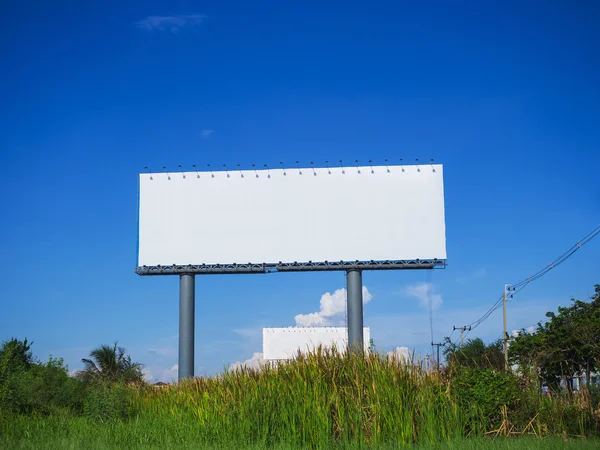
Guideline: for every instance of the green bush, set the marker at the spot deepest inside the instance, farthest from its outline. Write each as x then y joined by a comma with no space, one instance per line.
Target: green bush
594,390
106,402
15,360
47,388
483,392
561,418
27,386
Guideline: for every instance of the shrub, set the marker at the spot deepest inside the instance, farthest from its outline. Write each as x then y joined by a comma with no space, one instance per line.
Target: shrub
106,402
484,392
27,386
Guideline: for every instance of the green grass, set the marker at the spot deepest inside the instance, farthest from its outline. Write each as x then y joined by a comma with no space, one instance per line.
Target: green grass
81,433
323,399
521,443
318,401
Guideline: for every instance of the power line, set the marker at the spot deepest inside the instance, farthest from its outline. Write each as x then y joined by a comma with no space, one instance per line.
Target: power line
536,276
562,258
462,331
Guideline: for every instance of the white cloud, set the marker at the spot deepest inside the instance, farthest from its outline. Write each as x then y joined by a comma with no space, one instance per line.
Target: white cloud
312,320
255,362
424,293
165,374
332,309
148,377
169,375
206,132
530,329
170,23
403,354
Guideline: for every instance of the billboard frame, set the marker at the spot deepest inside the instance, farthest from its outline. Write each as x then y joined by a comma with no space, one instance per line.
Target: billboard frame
212,269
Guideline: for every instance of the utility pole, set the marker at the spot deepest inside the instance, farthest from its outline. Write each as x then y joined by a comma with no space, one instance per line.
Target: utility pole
462,331
505,296
438,345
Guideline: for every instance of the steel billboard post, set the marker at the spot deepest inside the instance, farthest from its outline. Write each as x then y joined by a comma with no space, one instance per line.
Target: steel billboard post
187,297
355,309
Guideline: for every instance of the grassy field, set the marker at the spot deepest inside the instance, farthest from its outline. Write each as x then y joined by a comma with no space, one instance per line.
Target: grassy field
321,399
317,401
80,433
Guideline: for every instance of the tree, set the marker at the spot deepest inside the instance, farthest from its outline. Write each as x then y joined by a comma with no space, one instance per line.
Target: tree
110,364
586,331
15,355
15,359
476,354
30,386
566,346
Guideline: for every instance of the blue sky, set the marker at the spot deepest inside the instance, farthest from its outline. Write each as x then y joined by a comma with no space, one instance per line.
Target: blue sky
505,94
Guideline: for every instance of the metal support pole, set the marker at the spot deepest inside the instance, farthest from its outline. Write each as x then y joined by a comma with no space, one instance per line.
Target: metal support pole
355,309
186,325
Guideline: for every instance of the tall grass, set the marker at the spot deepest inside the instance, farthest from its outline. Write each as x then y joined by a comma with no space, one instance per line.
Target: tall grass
320,400
326,398
77,433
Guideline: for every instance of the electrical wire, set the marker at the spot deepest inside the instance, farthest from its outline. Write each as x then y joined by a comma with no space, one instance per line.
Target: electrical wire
562,258
519,286
456,341
450,337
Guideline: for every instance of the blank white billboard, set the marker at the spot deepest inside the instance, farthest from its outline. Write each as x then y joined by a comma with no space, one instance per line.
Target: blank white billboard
380,213
284,343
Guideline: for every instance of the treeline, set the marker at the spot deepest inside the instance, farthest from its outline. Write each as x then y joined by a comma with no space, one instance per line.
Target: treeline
29,386
564,348
560,353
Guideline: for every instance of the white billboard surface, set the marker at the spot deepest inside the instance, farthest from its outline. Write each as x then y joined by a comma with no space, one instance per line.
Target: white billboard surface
284,343
380,213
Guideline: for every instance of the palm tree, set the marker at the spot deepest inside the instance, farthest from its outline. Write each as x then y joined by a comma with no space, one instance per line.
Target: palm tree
110,364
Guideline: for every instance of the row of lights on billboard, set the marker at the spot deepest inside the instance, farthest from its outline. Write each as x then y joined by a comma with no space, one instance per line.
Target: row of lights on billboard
303,329
266,167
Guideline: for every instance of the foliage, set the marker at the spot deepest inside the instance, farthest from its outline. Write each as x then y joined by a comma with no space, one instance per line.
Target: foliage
323,399
28,386
488,390
47,388
15,355
54,432
106,402
475,354
564,347
15,359
317,400
110,364
320,400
